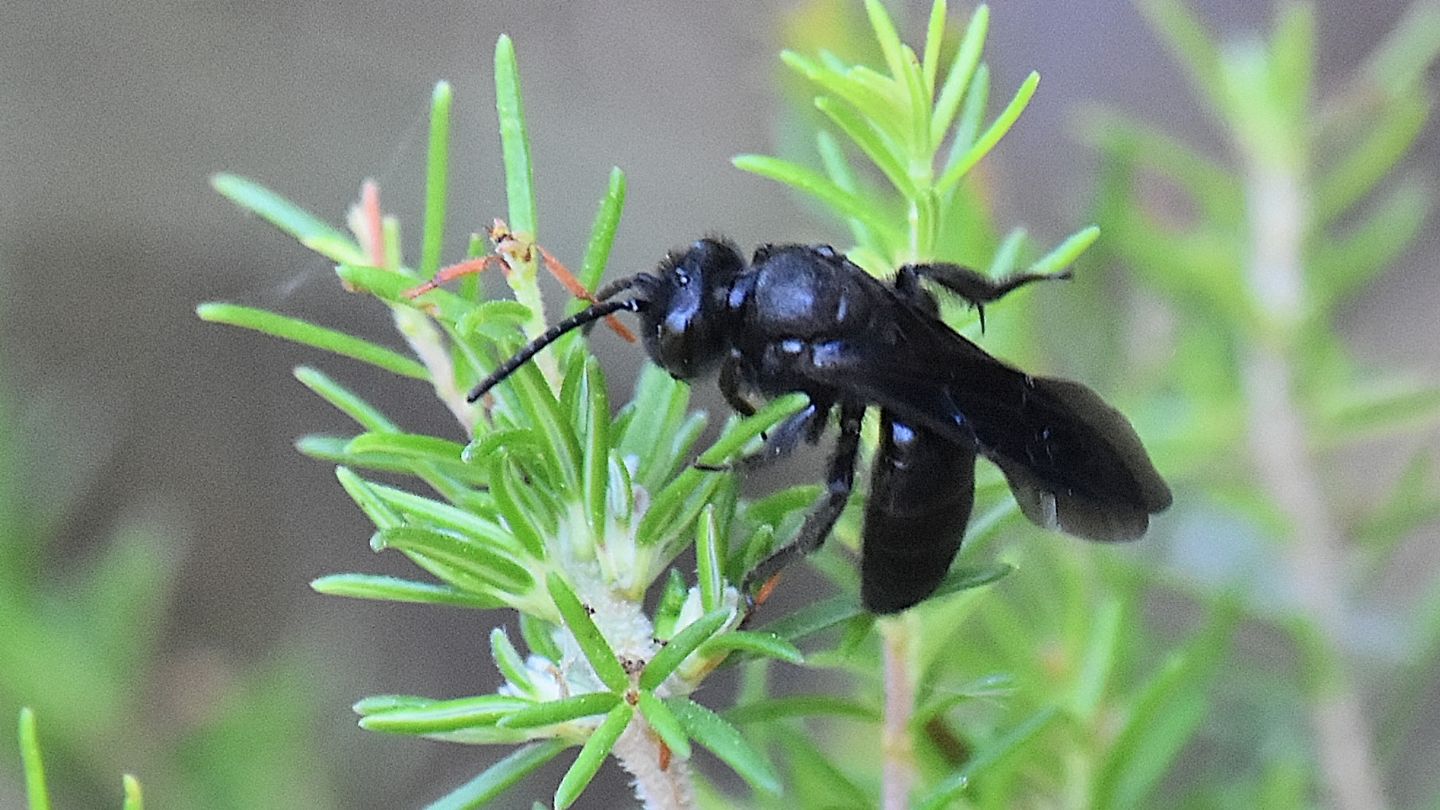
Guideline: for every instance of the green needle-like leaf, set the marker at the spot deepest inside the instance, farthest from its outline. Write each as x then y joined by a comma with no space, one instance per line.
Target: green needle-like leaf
934,39
410,445
687,494
1066,252
1343,265
708,561
379,704
962,70
890,45
394,589
757,643
592,755
564,710
1371,157
1165,713
314,234
596,649
955,172
838,168
501,776
459,561
299,331
782,708
814,618
733,441
665,724
514,141
392,285
367,499
668,607
602,233
1292,60
424,510
1379,408
948,791
496,320
875,105
345,400
431,716
506,484
679,648
963,578
972,114
539,636
37,794
1191,45
437,172
725,741
542,412
595,475
883,153
134,798
820,187
511,665
1003,262
914,83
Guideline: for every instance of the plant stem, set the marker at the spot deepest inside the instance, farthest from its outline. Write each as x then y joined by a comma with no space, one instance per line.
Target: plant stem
638,751
898,775
425,340
1279,449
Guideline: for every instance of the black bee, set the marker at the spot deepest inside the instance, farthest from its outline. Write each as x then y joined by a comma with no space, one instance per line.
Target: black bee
804,318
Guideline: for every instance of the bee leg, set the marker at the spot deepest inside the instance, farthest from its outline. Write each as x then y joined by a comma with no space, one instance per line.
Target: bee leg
730,387
970,285
807,423
838,483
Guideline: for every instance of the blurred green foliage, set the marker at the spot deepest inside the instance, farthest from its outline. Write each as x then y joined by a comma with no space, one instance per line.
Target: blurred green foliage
1100,677
1250,256
82,649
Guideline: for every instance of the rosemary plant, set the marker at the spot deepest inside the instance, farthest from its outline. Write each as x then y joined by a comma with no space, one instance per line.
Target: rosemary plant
1270,242
554,506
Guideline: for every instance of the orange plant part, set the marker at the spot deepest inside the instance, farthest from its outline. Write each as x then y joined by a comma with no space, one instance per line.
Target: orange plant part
512,247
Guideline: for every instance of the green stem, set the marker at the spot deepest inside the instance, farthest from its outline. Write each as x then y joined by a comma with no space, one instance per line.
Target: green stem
1279,448
899,637
525,284
638,752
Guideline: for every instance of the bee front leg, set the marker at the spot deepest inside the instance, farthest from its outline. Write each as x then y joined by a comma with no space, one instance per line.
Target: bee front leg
838,483
807,424
730,387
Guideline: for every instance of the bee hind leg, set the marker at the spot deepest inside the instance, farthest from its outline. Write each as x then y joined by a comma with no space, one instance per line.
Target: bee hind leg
838,483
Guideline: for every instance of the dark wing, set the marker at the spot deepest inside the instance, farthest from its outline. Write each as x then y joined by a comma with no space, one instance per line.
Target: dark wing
1072,461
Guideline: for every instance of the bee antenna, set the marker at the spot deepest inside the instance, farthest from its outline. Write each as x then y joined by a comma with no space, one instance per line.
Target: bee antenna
592,313
644,281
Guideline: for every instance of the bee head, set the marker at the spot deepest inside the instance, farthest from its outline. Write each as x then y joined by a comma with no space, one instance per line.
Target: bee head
686,306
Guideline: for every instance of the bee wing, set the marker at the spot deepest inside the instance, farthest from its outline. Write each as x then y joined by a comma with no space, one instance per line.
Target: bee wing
1073,462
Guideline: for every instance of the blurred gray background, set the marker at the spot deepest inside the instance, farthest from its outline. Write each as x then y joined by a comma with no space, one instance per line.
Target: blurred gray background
112,116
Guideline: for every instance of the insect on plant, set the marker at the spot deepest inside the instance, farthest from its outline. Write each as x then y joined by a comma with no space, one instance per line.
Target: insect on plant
803,318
